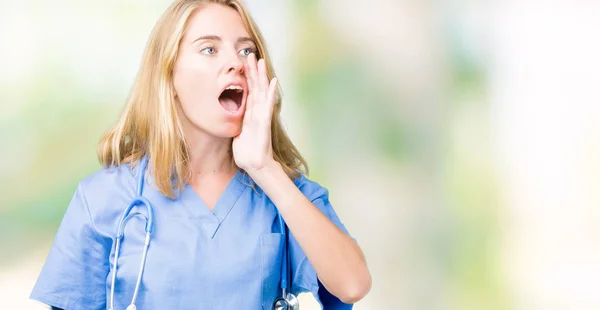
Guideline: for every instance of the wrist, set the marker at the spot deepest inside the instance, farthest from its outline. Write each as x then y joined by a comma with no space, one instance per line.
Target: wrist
269,169
276,184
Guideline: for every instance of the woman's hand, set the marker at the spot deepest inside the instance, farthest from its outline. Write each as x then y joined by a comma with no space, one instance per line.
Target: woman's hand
252,149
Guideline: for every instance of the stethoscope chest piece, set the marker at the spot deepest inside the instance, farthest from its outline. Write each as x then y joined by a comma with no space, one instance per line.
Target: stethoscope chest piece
290,302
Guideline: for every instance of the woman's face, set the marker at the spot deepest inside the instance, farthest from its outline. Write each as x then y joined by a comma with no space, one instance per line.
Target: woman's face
209,71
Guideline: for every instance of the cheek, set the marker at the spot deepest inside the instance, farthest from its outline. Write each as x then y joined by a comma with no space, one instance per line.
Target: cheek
193,84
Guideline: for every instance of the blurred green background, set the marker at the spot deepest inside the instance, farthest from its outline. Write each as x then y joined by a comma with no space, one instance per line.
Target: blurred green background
459,140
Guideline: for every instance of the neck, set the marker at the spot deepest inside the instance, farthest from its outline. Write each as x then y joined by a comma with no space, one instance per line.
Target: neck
210,156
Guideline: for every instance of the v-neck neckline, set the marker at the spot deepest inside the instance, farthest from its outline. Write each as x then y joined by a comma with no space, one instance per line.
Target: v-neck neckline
212,219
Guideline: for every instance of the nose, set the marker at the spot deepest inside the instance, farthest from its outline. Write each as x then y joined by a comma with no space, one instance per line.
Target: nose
235,64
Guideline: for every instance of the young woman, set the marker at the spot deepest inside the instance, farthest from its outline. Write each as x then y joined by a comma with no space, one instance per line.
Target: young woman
203,202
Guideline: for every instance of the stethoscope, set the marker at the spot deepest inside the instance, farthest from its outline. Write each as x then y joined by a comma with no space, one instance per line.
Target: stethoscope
287,300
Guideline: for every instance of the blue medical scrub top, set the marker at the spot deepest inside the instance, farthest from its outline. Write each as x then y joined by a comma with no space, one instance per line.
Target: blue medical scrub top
225,258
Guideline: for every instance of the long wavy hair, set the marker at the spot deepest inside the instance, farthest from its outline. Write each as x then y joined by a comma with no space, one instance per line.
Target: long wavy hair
150,124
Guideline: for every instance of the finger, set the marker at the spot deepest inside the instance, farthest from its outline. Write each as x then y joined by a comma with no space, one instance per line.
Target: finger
247,75
249,87
252,82
247,117
263,79
271,96
250,75
254,72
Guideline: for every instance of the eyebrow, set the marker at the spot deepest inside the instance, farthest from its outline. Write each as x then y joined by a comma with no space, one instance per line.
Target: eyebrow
217,38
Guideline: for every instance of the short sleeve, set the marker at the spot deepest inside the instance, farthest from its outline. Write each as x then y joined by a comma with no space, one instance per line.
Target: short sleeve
74,274
304,277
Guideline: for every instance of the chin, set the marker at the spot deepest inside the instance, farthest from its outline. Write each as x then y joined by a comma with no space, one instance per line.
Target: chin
229,130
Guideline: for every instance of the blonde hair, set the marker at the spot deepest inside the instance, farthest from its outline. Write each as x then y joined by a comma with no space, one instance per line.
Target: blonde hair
150,124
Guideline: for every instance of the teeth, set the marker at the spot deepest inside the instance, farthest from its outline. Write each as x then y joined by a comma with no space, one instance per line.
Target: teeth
234,87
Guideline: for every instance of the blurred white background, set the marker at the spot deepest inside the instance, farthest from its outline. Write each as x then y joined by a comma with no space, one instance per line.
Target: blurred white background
460,140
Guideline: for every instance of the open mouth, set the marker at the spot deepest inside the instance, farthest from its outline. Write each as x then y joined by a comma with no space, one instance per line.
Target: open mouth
231,98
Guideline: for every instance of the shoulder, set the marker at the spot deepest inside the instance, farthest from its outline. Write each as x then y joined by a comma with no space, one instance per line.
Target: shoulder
107,179
319,196
316,193
310,188
104,193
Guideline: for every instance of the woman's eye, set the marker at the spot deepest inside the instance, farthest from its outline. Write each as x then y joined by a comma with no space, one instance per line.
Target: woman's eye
246,51
208,50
